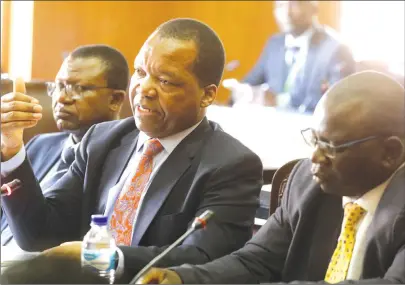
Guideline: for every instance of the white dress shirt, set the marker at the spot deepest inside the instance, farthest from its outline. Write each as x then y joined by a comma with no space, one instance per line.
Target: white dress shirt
301,42
369,201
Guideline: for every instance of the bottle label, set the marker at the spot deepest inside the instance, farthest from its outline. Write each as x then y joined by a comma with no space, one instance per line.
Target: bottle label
100,259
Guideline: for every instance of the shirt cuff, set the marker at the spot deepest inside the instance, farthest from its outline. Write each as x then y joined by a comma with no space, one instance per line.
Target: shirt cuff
120,267
13,163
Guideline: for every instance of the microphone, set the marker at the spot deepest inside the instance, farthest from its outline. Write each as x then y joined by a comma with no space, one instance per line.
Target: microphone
198,223
8,188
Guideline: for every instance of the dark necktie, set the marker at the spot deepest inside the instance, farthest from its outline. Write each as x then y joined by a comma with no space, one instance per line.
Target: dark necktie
290,78
67,158
294,53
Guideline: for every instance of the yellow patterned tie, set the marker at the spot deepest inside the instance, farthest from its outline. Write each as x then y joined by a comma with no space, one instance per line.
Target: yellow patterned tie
340,261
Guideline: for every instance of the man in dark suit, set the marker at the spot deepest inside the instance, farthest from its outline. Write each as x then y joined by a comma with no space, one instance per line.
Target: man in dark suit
152,174
299,64
51,154
342,216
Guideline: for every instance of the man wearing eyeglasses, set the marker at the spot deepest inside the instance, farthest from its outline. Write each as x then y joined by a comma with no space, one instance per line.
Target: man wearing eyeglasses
342,215
89,88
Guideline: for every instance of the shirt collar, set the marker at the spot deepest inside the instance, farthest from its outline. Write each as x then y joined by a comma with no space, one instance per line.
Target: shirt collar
369,201
169,143
300,41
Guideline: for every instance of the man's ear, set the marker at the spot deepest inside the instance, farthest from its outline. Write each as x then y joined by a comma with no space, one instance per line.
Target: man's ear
210,92
394,151
116,100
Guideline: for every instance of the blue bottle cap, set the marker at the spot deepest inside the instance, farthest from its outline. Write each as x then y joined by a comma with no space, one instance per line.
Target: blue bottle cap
99,220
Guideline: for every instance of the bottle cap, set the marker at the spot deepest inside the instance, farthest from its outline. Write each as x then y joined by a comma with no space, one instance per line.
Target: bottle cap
99,220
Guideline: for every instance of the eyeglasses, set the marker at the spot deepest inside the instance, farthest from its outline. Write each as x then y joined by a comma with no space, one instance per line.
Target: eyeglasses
328,149
75,91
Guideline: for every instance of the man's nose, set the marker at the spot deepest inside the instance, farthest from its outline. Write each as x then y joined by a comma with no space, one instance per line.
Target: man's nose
317,156
147,87
63,97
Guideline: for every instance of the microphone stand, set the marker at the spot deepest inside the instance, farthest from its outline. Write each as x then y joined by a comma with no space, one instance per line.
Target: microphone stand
198,223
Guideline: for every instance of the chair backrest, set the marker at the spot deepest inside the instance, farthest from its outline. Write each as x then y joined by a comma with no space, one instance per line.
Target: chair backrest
278,184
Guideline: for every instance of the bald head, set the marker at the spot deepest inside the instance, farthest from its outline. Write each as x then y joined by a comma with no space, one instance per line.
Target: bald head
363,117
366,103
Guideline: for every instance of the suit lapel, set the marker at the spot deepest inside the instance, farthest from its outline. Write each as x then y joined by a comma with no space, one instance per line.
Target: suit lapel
278,68
391,203
166,177
51,156
328,222
306,74
309,64
117,162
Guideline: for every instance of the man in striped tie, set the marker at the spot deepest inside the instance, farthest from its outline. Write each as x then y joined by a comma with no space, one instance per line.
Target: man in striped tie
153,173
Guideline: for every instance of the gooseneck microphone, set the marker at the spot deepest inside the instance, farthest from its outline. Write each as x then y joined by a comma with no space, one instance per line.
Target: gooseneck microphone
199,222
8,188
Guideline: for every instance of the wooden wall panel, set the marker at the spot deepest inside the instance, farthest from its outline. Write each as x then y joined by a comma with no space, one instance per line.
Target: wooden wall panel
5,34
243,26
60,26
329,13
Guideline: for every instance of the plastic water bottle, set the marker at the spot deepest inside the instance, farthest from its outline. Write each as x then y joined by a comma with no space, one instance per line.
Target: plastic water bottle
98,249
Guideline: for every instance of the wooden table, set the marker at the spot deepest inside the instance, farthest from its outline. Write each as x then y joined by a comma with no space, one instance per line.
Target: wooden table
10,256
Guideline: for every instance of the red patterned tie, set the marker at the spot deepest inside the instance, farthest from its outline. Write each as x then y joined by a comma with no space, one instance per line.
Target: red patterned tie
122,218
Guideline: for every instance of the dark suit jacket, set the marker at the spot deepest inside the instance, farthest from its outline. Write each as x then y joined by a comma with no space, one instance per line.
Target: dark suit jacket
208,170
327,60
297,242
43,151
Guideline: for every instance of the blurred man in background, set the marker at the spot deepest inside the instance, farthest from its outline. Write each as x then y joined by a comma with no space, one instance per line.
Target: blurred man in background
89,88
296,66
